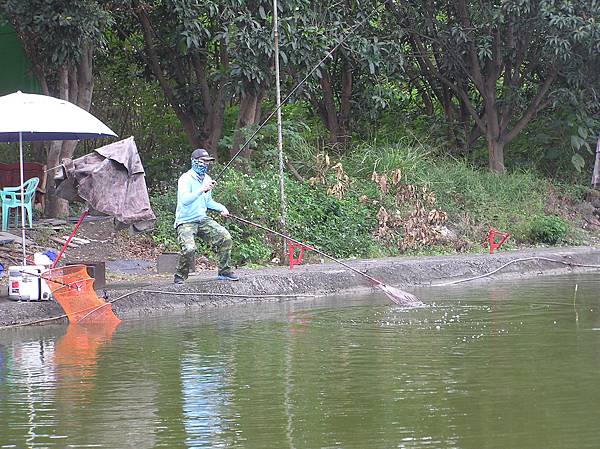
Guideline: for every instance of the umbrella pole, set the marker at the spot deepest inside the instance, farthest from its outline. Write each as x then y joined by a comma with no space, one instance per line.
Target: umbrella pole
22,198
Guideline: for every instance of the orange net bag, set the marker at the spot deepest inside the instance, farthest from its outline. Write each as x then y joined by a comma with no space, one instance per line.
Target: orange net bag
72,287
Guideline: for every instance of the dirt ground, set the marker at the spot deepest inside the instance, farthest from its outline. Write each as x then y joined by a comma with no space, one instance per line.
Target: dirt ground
108,244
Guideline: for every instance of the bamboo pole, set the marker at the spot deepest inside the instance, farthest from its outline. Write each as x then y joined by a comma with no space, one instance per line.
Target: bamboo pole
22,197
283,212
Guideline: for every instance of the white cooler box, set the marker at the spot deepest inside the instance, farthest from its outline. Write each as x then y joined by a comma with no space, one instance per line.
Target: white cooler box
26,283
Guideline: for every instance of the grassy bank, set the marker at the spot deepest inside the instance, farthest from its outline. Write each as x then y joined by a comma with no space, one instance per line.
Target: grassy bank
386,201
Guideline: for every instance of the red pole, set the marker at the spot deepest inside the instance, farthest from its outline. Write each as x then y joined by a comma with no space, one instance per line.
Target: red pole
81,217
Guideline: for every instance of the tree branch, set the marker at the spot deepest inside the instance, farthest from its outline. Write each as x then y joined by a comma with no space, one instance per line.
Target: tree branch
533,108
199,65
461,93
188,123
461,9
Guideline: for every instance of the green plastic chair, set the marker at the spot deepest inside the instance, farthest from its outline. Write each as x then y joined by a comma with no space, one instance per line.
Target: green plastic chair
11,199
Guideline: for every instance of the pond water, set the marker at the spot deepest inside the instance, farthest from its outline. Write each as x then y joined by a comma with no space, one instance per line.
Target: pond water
496,365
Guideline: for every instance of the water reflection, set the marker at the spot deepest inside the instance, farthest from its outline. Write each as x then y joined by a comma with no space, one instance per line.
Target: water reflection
3,369
48,382
34,376
205,402
75,358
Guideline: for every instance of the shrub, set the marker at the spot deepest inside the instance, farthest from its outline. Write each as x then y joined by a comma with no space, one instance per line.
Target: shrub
163,204
547,229
339,227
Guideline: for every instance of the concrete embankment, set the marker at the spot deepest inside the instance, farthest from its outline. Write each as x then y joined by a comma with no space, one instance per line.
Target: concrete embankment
156,295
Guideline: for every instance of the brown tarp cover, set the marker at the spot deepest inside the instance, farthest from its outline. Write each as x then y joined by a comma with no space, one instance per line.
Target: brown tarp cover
111,180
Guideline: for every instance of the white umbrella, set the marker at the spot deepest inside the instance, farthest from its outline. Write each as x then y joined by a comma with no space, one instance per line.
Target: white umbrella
32,117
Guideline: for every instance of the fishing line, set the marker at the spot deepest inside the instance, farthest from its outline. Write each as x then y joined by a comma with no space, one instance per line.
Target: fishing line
573,264
94,309
295,89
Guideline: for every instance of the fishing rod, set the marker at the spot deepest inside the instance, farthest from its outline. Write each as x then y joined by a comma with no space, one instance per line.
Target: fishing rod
295,89
395,294
312,248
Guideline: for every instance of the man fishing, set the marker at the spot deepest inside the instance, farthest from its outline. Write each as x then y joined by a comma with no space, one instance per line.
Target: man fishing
194,199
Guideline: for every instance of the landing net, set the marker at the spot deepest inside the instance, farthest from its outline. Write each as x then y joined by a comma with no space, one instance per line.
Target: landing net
72,287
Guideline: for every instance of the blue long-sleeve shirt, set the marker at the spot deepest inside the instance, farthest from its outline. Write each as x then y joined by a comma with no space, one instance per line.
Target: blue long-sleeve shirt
191,203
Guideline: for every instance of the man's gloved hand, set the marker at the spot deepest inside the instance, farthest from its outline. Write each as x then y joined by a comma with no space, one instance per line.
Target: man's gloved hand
225,213
207,186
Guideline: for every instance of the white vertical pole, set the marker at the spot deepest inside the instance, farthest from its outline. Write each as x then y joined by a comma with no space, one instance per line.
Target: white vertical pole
279,131
22,197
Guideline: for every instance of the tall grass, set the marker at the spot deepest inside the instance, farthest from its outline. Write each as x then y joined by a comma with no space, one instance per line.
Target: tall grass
475,199
407,155
487,200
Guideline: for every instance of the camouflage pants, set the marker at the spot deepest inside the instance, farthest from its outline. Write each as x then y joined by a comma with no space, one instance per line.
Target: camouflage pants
212,233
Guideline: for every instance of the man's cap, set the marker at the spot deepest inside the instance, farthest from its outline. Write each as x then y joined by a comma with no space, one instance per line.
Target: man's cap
201,153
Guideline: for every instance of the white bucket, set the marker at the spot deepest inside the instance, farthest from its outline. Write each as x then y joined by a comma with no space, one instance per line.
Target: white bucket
26,284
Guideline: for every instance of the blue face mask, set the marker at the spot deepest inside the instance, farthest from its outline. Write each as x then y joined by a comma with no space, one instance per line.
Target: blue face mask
201,168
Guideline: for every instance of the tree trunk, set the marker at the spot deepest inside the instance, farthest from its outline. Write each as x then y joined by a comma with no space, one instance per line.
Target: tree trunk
596,173
471,131
344,116
214,107
246,117
258,111
213,97
55,206
496,156
211,141
185,117
75,85
329,108
493,131
213,124
425,97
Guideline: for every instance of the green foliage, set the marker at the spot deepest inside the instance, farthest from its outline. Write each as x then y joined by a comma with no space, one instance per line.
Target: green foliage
313,217
57,31
163,204
295,131
574,193
548,229
138,106
481,200
559,144
339,227
408,155
512,55
475,201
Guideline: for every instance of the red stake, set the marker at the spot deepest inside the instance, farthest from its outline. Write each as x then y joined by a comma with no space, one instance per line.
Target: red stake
62,250
493,245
